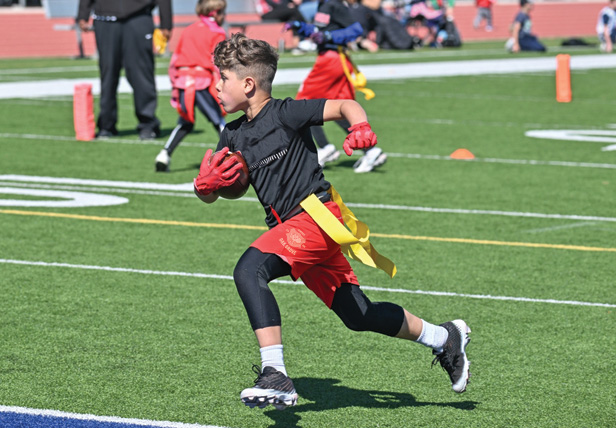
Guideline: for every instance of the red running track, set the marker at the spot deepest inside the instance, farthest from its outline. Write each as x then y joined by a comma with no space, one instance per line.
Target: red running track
28,33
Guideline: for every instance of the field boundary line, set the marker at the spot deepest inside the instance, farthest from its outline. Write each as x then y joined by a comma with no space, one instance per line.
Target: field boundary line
96,418
523,162
278,281
249,227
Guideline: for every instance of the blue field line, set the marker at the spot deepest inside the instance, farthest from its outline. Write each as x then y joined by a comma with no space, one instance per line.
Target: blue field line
23,417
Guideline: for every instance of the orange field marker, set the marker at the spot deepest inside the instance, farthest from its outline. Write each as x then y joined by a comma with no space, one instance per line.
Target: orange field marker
563,78
462,154
83,112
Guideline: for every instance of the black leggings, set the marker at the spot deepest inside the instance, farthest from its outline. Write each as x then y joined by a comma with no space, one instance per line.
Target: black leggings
255,270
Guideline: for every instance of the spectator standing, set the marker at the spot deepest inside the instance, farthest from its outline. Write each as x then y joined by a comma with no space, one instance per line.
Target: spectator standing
123,31
606,27
484,12
522,39
194,76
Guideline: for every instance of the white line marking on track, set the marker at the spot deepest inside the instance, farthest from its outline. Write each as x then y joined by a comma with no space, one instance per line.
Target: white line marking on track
365,287
188,187
58,198
105,140
506,161
110,419
530,162
483,212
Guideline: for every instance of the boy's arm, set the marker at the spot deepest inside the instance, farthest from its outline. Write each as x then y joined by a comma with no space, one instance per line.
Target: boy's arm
515,33
350,110
360,133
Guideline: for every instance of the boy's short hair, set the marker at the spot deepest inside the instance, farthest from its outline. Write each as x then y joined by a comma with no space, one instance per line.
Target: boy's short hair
206,7
245,57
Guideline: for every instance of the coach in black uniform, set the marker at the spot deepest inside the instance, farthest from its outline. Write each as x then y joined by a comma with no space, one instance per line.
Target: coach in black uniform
123,30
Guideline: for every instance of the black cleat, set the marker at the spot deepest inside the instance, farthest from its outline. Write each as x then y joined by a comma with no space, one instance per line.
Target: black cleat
271,387
453,357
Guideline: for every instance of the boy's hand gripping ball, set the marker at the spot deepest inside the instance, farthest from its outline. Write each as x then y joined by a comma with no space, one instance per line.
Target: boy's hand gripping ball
224,173
240,186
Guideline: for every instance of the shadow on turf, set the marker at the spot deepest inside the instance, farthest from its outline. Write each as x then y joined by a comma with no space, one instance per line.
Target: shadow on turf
324,394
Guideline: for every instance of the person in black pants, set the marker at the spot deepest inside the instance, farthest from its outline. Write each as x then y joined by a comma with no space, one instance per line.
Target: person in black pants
123,30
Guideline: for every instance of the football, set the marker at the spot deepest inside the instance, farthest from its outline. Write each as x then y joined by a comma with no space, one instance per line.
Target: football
239,186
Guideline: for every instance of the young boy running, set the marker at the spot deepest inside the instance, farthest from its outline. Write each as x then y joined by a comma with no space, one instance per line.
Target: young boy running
193,76
305,215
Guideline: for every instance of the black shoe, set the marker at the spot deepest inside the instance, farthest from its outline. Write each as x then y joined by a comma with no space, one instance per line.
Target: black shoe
149,134
106,133
271,387
162,161
453,357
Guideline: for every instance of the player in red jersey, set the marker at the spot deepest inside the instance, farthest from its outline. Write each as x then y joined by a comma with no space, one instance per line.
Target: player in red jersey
194,76
334,27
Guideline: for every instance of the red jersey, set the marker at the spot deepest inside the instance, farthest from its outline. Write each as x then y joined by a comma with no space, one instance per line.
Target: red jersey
196,45
483,3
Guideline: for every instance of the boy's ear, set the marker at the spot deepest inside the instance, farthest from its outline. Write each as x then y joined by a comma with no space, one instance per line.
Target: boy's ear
250,84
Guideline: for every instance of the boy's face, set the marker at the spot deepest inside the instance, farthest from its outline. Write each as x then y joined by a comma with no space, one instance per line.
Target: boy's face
231,91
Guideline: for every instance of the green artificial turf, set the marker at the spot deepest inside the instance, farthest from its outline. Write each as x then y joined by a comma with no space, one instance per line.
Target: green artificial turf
106,333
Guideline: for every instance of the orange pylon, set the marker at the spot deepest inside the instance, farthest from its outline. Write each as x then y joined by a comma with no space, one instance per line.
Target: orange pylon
563,78
83,112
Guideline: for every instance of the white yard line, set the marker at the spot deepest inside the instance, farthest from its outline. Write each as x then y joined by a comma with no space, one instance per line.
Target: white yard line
63,183
295,76
230,278
528,162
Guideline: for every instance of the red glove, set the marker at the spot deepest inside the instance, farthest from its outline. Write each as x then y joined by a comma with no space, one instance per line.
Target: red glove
360,137
216,172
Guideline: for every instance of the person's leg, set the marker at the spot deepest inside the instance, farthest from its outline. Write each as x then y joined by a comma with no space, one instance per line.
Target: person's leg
109,46
252,275
488,15
448,341
139,65
530,42
182,129
209,107
477,20
163,159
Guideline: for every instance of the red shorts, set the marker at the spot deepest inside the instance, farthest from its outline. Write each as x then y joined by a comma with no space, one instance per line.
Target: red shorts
314,257
327,79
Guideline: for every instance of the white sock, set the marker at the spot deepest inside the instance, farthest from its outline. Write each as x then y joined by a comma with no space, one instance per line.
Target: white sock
272,356
433,336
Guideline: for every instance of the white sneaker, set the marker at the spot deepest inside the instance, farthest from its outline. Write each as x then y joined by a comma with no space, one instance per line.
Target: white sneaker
162,161
509,44
372,159
327,154
307,45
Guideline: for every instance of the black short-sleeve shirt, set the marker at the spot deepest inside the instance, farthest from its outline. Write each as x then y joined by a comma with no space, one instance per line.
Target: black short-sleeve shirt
281,155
